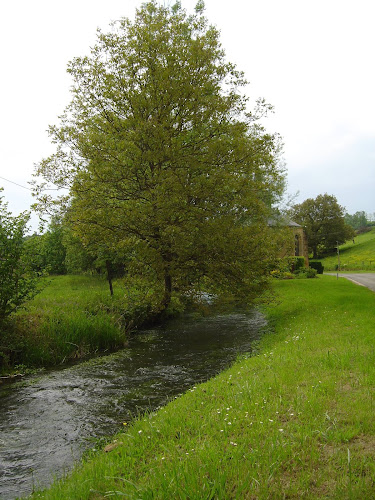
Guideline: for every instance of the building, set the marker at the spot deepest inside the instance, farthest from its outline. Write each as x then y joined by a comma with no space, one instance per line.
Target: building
295,239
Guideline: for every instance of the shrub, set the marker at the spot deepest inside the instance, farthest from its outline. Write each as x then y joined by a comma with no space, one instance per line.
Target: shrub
311,272
287,276
298,263
362,230
282,275
318,266
306,273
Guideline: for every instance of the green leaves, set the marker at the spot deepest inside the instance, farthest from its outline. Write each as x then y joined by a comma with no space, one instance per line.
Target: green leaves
18,282
157,149
199,7
323,221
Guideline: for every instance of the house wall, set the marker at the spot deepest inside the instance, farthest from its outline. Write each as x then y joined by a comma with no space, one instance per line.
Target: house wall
292,238
300,244
295,243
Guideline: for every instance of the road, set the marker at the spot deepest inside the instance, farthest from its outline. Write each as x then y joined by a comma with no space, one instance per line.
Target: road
364,279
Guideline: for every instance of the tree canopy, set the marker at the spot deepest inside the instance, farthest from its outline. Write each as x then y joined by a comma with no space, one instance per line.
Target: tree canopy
47,251
324,223
162,158
357,220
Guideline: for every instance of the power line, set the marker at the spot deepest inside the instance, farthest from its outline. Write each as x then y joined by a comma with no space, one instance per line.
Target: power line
24,187
29,189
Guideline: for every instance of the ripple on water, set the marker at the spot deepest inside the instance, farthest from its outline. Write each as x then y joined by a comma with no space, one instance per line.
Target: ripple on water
47,424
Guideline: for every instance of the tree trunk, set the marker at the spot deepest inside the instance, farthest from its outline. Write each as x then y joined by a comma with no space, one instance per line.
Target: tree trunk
315,251
109,275
167,290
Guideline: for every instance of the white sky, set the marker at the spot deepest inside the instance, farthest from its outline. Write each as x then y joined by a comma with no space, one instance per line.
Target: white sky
314,61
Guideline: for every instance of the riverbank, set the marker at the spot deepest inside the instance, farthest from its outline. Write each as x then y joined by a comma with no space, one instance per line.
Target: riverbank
295,421
49,420
72,318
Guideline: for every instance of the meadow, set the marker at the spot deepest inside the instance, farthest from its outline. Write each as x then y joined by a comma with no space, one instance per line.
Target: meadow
358,256
294,421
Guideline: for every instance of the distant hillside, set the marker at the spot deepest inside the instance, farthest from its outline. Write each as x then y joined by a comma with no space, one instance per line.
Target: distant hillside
358,256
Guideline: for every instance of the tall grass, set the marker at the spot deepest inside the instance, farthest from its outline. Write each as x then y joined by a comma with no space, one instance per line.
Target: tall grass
296,421
73,317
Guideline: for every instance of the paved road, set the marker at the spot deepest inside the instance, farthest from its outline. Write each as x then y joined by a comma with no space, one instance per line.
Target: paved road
364,279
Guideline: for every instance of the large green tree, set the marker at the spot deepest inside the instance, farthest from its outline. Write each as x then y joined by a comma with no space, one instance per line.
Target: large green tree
324,223
162,158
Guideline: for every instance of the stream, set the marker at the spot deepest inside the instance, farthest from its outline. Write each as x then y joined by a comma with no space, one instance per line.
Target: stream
48,420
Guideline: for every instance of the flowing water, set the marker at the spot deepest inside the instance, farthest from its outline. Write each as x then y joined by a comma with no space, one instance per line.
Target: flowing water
46,422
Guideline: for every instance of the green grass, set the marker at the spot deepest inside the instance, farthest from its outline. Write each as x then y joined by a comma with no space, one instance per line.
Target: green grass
354,256
296,421
72,318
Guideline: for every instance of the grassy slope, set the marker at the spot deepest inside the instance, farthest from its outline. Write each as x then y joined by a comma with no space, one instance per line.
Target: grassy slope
296,421
355,256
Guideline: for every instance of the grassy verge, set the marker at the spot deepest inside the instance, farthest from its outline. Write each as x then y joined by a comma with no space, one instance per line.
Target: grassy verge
296,421
73,317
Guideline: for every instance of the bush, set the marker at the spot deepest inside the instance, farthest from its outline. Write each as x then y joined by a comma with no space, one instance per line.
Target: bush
299,263
318,266
282,275
311,272
362,230
287,276
305,273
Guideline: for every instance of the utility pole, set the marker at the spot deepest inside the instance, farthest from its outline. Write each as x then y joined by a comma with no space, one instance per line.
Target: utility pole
338,258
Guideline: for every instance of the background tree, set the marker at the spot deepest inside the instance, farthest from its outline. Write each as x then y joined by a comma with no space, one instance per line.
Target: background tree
18,282
47,251
357,220
324,223
33,249
78,259
162,158
53,247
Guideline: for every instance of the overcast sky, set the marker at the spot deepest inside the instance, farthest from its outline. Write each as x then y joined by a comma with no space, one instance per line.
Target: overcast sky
314,61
